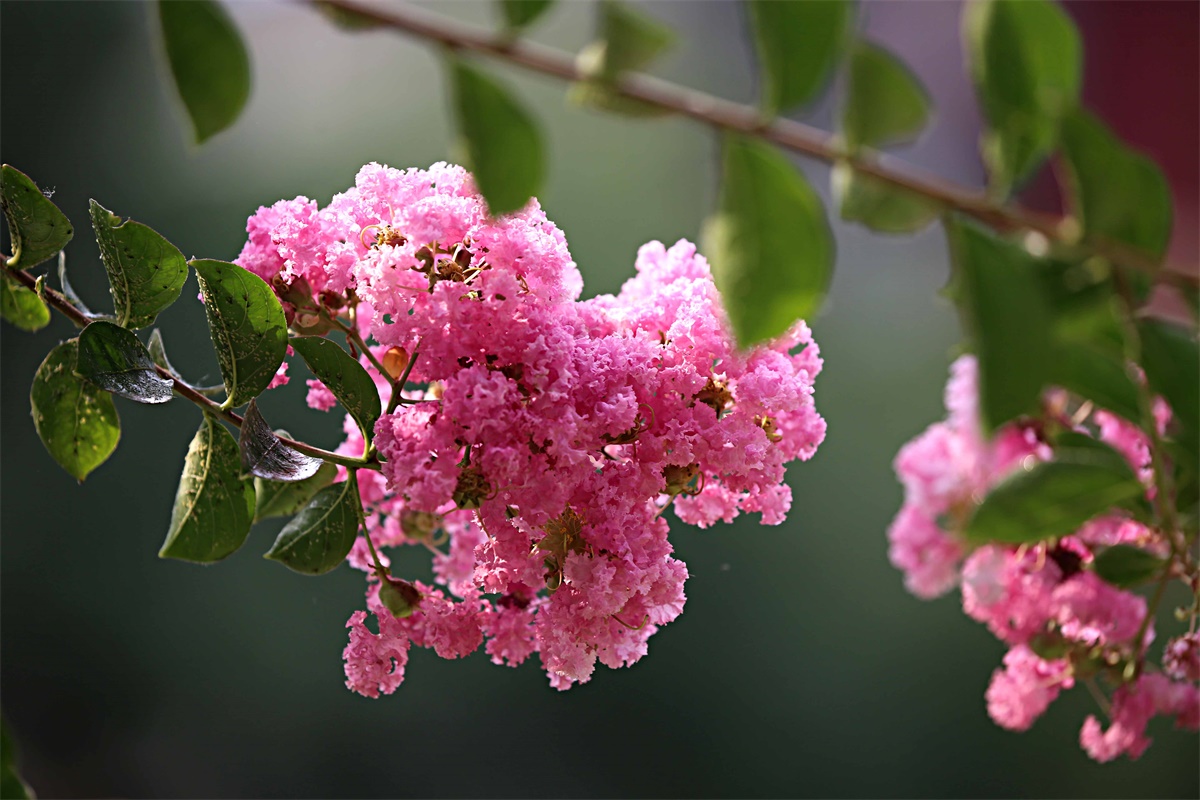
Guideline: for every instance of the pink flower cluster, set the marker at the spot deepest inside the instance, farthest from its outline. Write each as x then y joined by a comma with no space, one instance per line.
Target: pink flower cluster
549,435
1061,622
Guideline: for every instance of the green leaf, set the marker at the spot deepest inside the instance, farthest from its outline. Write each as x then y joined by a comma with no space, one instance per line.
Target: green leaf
1115,192
628,41
12,785
214,503
1098,377
283,499
36,227
502,141
1087,338
1125,566
320,536
208,61
799,43
885,102
1053,498
76,421
770,245
264,455
1006,316
879,206
1171,360
112,358
21,306
145,271
158,354
519,14
345,377
247,326
1037,323
1026,60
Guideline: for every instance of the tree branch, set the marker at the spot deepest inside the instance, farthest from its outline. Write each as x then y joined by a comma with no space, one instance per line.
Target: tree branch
747,120
60,303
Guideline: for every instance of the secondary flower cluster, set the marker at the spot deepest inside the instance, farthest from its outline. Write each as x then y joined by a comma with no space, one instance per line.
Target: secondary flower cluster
1061,622
551,433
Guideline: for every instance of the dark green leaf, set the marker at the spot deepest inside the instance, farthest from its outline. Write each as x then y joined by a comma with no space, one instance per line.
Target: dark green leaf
113,359
770,245
521,13
1037,323
345,377
1125,566
1006,316
1053,498
1026,60
1116,192
629,41
1076,447
1171,359
12,786
247,326
1083,298
158,354
145,271
208,62
502,141
214,503
264,455
877,205
76,421
885,102
799,43
21,306
321,535
1096,376
1087,338
283,499
36,227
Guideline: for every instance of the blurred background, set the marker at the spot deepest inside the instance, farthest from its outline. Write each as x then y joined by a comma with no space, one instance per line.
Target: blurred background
800,668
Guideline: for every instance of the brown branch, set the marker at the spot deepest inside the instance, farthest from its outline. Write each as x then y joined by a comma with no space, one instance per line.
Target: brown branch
60,303
747,120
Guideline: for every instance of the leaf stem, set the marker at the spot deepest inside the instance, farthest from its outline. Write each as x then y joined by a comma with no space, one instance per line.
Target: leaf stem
61,304
1164,494
1164,489
1098,696
398,384
748,120
380,569
359,342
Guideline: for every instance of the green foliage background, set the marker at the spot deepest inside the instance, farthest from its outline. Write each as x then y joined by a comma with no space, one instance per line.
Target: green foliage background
801,667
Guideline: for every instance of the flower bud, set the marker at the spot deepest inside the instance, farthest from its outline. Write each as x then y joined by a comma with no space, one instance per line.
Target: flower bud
472,488
679,478
399,596
394,361
419,525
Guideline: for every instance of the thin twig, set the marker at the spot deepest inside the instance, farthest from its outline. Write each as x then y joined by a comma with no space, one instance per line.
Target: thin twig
747,120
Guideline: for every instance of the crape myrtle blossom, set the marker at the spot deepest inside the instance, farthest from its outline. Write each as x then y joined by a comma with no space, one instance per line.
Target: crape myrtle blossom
548,434
1061,621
